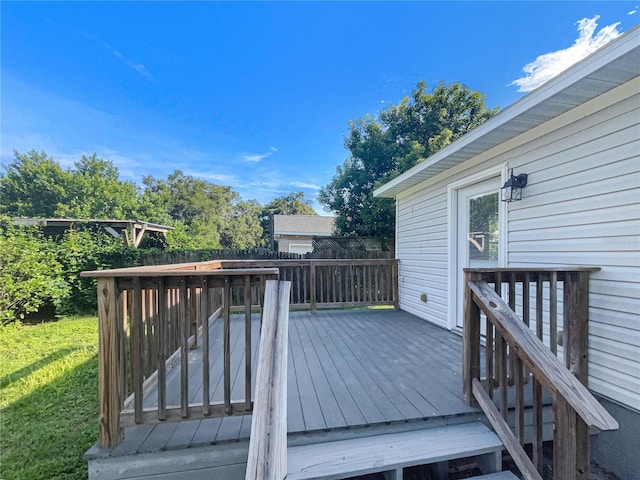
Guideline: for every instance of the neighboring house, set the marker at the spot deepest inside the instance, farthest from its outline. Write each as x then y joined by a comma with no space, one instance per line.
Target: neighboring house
133,231
578,139
294,233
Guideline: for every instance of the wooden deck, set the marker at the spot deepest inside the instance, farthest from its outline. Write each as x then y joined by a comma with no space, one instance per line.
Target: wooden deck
347,369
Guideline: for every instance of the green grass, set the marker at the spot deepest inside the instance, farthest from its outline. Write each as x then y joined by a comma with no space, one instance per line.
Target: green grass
49,399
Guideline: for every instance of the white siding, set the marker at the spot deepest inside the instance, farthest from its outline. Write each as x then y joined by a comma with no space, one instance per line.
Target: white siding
422,251
581,207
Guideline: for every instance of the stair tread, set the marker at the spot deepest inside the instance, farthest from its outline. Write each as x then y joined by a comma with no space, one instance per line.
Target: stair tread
385,452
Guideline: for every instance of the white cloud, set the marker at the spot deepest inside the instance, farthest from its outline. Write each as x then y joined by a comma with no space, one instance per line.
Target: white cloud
258,157
138,67
634,11
310,186
219,178
547,66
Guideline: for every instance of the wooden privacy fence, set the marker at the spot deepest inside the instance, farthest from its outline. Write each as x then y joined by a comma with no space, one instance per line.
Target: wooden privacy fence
334,283
149,319
516,355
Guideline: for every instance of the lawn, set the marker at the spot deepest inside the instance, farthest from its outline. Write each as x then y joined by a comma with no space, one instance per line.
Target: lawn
49,399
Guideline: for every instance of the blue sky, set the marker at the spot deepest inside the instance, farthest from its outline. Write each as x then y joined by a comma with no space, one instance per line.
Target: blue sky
258,95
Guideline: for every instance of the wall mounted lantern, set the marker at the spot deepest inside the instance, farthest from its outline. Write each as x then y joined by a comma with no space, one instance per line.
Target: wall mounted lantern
512,188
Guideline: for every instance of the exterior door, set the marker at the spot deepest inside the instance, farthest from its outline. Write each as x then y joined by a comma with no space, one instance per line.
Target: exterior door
478,232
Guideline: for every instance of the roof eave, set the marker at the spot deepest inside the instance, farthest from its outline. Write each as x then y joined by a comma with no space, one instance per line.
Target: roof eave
615,49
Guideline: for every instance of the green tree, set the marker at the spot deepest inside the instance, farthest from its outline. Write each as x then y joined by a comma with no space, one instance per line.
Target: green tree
382,148
30,274
207,216
96,191
33,185
292,204
243,229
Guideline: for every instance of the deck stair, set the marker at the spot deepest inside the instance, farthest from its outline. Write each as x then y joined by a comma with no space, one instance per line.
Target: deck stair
390,453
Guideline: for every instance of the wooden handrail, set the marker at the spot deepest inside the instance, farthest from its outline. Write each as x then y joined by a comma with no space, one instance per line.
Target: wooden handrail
515,355
501,427
267,459
546,367
315,283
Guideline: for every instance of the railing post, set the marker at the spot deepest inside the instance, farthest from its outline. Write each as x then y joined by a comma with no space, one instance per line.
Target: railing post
576,347
109,366
576,324
470,341
394,281
564,441
312,285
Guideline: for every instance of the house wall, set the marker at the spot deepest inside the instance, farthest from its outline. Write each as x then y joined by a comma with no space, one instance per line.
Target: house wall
285,242
581,207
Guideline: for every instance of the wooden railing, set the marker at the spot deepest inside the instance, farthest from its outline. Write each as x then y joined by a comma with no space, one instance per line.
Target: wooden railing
516,355
267,458
334,283
152,318
149,319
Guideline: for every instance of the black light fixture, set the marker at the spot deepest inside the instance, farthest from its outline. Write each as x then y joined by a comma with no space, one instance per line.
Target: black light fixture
512,188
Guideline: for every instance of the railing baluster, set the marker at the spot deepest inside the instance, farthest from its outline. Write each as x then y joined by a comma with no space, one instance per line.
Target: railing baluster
136,348
184,325
147,316
193,316
489,353
538,458
353,275
313,285
553,312
503,382
247,338
539,307
526,312
333,277
305,290
519,408
163,315
122,311
227,346
205,312
512,304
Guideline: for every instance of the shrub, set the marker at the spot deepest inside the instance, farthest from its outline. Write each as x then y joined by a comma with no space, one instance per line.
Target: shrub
83,249
30,274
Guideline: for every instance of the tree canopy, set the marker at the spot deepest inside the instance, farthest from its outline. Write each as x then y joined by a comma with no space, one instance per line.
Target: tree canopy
292,204
384,147
35,185
204,215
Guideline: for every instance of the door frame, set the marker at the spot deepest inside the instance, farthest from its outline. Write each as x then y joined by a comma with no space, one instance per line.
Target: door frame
452,233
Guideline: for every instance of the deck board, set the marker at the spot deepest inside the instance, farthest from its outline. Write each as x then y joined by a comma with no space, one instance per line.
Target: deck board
347,368
347,403
329,404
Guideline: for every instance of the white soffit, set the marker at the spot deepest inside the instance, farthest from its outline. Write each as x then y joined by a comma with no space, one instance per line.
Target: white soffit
613,65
